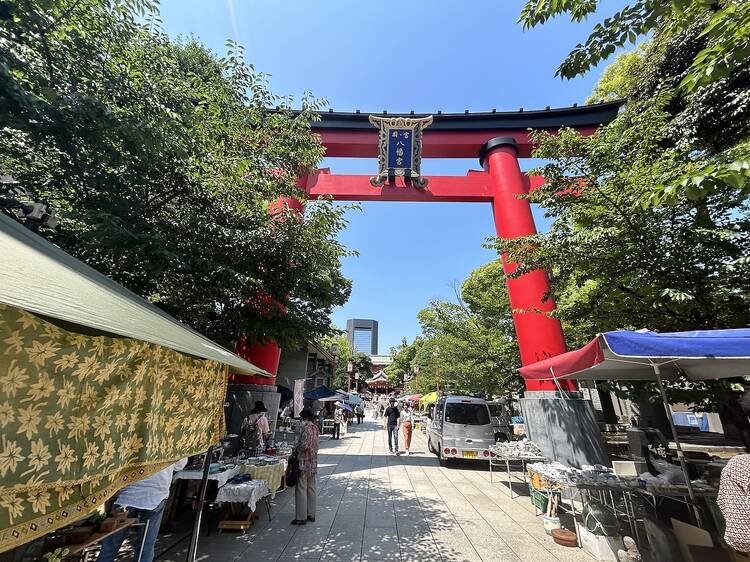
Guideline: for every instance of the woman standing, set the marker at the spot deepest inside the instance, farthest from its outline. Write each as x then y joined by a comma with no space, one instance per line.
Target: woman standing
306,450
338,420
407,415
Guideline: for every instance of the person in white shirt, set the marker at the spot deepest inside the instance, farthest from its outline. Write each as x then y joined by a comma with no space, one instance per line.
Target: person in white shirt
407,425
144,500
338,419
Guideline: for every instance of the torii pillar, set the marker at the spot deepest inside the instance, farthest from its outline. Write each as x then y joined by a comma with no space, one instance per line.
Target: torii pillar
539,335
563,427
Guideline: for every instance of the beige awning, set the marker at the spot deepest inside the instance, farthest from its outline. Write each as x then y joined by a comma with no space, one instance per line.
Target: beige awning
37,276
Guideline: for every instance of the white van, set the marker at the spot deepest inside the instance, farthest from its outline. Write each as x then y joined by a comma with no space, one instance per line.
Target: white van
461,428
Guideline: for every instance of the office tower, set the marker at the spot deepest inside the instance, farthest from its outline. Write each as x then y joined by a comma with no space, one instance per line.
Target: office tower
363,335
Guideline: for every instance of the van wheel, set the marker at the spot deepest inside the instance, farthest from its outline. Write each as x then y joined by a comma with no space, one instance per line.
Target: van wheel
430,447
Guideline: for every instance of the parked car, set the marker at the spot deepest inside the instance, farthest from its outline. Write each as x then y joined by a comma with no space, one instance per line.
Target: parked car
461,428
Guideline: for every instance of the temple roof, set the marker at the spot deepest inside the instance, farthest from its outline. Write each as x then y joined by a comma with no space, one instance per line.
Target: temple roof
550,118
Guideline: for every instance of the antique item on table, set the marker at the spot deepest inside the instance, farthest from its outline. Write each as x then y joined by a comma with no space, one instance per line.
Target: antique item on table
79,535
517,449
109,524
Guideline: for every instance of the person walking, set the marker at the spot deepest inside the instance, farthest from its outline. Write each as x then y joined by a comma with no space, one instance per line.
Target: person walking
338,419
306,450
392,416
145,501
407,425
360,411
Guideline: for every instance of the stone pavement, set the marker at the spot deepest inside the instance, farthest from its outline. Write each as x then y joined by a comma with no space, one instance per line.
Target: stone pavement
375,506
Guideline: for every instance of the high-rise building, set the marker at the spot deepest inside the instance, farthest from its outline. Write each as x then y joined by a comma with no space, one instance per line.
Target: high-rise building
363,335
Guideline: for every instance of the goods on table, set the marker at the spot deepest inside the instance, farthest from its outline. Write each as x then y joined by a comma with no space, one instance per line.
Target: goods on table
556,473
567,475
525,448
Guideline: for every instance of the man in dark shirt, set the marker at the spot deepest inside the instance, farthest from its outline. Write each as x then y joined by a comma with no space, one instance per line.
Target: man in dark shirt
392,416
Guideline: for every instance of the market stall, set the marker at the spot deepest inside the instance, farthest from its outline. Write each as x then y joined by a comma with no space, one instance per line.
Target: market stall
104,389
514,452
428,399
645,355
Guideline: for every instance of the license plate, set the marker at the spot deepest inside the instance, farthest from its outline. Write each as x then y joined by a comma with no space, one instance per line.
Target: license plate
470,454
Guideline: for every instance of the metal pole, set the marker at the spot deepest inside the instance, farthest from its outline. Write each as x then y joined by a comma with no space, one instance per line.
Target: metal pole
192,550
143,541
680,454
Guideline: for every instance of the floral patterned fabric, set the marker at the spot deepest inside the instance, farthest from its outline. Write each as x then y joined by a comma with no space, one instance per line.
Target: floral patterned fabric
307,449
81,416
734,502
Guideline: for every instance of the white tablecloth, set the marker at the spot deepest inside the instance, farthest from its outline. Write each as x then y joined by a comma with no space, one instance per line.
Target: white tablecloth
248,493
220,477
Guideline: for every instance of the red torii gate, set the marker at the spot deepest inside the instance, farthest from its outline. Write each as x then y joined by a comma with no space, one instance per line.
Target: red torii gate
498,139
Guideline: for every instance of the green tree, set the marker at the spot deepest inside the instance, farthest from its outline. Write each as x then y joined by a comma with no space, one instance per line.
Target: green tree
160,160
362,366
401,368
340,375
618,264
725,28
700,50
468,345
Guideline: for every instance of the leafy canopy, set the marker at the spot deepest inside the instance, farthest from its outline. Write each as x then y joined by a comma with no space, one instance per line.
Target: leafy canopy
700,50
726,30
160,160
469,344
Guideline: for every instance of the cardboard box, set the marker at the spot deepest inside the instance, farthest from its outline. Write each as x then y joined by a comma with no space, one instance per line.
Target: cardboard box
603,549
629,468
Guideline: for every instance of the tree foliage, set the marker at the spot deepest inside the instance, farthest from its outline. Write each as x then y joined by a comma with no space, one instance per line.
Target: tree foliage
362,366
340,375
725,30
700,49
160,160
401,370
468,344
619,264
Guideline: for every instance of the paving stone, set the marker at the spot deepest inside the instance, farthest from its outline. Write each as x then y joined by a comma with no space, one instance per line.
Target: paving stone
373,506
336,550
380,544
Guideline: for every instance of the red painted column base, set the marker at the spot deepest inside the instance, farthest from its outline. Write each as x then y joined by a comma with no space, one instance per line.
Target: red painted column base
263,355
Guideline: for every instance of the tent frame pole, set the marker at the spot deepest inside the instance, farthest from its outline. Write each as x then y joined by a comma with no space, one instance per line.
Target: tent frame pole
193,548
680,454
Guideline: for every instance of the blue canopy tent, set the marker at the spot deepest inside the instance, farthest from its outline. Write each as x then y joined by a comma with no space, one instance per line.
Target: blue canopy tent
646,355
324,394
320,393
345,406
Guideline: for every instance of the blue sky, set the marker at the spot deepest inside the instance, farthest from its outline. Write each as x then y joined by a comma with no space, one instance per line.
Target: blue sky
420,55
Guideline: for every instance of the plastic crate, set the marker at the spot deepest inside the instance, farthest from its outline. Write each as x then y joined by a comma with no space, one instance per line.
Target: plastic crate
539,499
